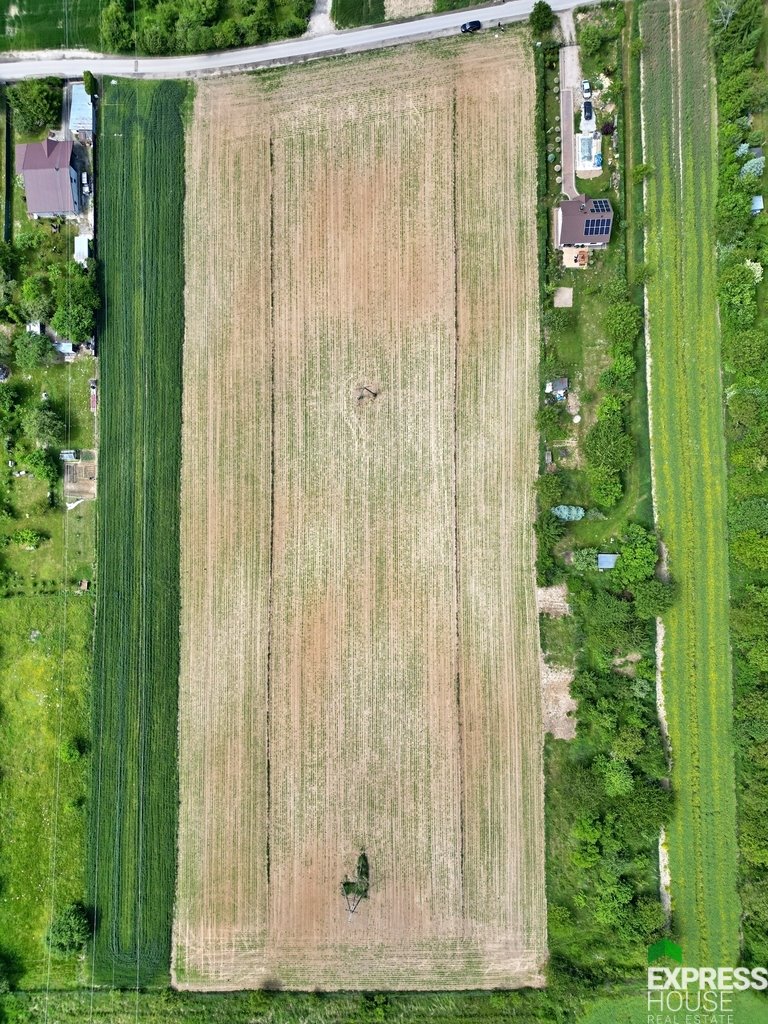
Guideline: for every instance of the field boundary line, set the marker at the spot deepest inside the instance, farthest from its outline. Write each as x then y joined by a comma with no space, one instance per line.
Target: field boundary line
53,869
270,601
95,811
456,557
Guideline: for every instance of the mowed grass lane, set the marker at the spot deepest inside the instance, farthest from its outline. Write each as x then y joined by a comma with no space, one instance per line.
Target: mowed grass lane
135,797
689,469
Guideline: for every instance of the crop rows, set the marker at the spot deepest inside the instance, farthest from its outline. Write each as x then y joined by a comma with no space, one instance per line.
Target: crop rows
134,803
359,656
689,472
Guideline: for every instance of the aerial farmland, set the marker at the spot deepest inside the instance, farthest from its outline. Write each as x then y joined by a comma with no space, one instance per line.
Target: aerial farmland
359,651
383,544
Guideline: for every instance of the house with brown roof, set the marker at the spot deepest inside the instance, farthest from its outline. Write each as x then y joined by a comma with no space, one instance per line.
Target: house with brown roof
50,181
583,223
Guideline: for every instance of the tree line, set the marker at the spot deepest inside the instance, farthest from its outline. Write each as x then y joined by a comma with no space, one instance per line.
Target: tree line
194,26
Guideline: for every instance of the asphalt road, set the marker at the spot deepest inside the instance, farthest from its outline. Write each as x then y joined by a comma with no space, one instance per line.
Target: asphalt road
71,64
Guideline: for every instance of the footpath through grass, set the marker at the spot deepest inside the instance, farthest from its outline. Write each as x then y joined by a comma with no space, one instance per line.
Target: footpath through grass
689,469
135,792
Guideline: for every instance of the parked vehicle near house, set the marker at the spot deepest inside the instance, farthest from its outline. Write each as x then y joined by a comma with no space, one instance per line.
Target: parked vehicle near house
586,90
588,112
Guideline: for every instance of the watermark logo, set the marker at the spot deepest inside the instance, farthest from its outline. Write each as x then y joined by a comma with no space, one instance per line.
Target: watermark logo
665,949
694,995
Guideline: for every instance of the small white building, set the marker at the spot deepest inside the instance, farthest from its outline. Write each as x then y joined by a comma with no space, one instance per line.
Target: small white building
81,113
82,253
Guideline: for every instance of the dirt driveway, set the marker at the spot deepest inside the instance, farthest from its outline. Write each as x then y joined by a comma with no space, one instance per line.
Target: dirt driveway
570,93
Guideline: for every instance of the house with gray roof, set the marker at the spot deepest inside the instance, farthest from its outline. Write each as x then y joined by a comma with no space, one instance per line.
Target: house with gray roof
583,223
50,181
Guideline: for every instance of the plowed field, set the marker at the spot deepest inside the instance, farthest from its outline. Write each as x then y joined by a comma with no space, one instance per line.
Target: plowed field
359,649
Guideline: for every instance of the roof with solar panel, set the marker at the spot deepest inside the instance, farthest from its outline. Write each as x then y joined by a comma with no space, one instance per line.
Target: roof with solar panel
584,221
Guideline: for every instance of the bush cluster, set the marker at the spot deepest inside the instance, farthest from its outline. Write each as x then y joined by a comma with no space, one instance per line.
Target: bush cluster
742,87
194,26
64,297
36,105
608,447
603,910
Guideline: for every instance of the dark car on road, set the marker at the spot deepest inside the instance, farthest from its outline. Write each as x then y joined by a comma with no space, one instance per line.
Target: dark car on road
471,26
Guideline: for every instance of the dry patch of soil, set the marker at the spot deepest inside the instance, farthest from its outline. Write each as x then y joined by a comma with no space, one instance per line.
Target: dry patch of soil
558,707
553,600
406,8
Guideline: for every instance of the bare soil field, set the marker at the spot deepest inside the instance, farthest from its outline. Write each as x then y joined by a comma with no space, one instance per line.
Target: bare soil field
406,8
360,659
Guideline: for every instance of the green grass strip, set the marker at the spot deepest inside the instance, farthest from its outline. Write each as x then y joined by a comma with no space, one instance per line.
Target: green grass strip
351,13
689,465
135,785
49,24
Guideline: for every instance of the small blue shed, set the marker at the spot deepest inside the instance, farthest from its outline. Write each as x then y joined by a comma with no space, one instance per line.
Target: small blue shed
606,562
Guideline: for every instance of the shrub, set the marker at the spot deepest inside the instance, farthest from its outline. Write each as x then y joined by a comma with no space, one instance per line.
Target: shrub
750,514
751,549
76,303
116,29
90,84
30,350
607,444
27,538
36,298
738,301
550,422
69,930
550,489
623,321
591,40
639,556
652,598
753,168
558,321
73,749
36,104
604,486
41,426
43,464
584,559
619,377
541,18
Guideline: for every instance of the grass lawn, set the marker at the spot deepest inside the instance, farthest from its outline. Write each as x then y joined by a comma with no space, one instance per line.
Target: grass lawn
559,639
349,13
690,476
45,668
45,24
748,1008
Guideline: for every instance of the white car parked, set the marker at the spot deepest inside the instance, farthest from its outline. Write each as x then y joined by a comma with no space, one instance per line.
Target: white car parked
586,89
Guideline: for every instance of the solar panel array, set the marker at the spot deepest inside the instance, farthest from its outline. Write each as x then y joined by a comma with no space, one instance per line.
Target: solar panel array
601,206
595,226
